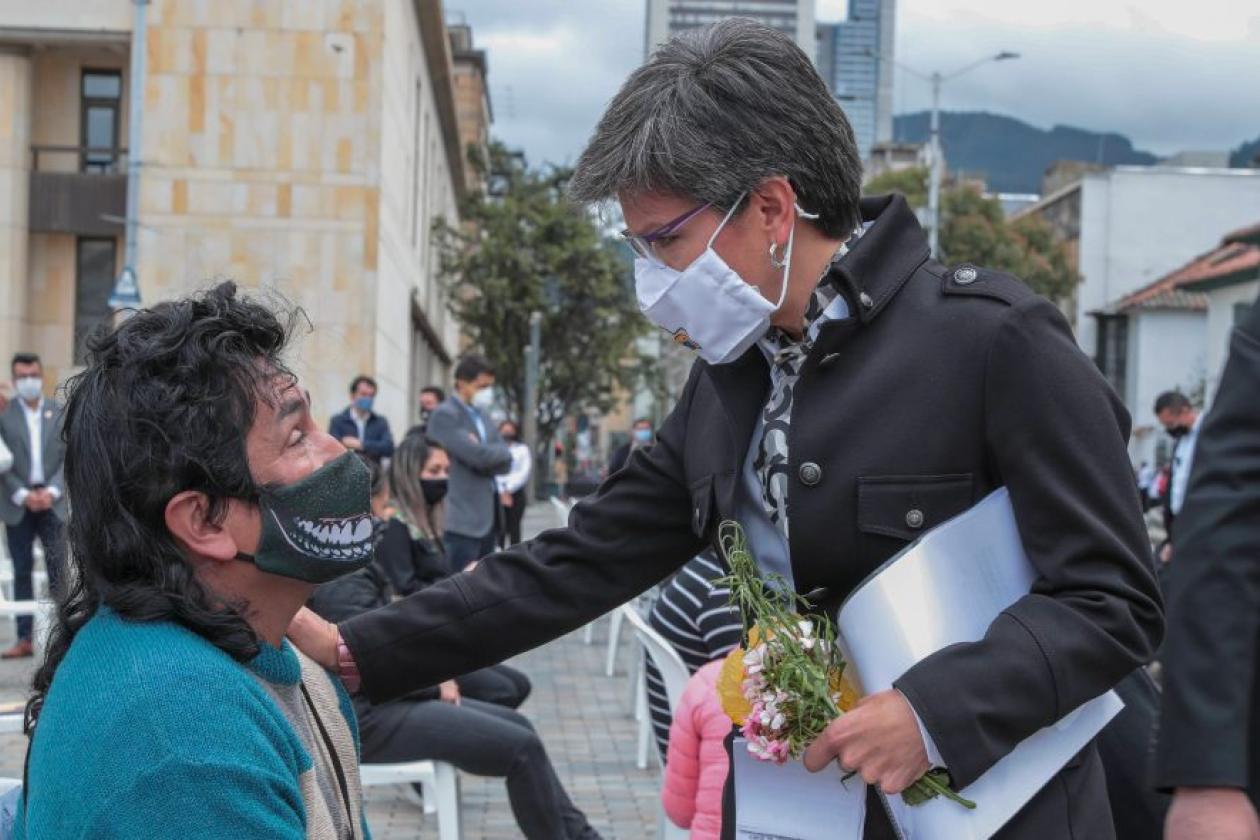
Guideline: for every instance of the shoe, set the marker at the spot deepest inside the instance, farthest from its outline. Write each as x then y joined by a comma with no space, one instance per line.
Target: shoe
20,650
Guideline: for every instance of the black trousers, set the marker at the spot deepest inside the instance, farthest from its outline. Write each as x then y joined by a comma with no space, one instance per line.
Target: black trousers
45,526
482,739
510,520
501,685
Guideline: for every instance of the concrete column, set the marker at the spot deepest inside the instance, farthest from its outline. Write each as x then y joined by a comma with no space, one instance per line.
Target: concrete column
15,156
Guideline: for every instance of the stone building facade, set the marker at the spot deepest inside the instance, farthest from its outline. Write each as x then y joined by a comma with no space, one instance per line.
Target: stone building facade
303,148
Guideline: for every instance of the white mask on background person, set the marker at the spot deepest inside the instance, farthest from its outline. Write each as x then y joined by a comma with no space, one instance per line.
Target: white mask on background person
707,306
29,387
483,400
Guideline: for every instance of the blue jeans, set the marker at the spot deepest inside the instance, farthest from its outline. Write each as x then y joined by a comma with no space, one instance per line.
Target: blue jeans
47,527
462,550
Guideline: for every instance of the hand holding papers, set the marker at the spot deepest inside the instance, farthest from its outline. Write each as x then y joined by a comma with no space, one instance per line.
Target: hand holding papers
946,588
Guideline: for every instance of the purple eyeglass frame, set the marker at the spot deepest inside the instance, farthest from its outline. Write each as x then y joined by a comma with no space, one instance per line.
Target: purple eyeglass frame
642,245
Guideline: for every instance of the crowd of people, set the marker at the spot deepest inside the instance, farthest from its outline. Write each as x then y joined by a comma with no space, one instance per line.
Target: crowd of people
250,603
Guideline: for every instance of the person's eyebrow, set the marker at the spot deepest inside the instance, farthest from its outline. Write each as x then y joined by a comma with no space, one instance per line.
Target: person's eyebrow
288,408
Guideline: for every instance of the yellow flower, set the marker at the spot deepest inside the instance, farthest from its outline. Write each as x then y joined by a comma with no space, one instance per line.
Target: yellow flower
730,687
840,683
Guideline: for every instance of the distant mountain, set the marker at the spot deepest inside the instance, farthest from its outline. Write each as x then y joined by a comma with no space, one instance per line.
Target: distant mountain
1011,154
1246,155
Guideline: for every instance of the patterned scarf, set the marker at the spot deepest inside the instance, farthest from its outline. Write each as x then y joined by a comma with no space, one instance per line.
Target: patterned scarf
787,357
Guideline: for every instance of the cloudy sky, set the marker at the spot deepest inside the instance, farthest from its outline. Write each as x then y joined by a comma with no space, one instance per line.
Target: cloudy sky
1170,74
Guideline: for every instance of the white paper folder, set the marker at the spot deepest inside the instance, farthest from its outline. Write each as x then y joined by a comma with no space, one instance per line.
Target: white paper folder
946,587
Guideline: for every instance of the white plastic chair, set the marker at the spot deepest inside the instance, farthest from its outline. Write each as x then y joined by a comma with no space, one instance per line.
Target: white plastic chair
441,789
675,675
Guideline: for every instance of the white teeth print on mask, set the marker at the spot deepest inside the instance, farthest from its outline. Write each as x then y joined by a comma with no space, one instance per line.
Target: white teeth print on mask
707,306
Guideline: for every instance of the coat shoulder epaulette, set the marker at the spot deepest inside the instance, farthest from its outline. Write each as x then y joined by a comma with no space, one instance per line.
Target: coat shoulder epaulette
976,281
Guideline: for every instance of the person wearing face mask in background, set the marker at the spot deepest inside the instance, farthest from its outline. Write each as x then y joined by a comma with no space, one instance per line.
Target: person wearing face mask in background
167,681
1181,421
512,485
359,428
640,436
851,392
462,428
32,504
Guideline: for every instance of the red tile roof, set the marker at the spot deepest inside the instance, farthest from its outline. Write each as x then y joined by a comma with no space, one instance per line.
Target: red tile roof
1238,251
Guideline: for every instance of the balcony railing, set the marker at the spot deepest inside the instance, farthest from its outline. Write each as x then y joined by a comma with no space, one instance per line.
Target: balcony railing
89,160
77,189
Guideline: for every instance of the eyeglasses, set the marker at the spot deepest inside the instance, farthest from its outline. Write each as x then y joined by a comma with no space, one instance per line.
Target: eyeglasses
645,245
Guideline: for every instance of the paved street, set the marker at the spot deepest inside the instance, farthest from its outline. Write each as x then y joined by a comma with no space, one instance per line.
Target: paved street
581,714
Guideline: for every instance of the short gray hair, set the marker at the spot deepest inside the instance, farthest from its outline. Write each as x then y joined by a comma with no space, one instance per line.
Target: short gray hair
713,113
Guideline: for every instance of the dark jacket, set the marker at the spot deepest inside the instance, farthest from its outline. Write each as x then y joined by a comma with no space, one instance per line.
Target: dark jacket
377,441
408,564
1209,731
944,385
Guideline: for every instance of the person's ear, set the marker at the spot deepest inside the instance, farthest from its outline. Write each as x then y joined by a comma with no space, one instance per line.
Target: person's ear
188,520
774,209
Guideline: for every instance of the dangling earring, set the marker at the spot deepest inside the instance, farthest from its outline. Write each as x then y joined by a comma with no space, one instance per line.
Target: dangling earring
774,258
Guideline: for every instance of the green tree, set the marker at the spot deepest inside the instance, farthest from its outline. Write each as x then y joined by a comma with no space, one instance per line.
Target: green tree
974,230
523,247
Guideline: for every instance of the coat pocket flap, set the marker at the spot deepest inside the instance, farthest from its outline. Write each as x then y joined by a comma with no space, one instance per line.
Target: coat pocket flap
904,506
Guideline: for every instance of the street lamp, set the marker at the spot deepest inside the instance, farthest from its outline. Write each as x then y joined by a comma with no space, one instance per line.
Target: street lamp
934,142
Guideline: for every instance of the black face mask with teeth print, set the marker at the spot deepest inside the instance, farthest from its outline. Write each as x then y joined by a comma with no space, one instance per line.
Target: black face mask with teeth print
319,528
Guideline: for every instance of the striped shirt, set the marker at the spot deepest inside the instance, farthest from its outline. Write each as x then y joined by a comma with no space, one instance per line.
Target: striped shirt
695,618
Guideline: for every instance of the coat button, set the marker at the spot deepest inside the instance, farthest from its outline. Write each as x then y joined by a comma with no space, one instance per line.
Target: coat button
866,300
965,276
914,518
810,473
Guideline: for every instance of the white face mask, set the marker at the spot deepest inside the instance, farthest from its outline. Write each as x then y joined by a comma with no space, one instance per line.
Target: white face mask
708,306
483,400
29,387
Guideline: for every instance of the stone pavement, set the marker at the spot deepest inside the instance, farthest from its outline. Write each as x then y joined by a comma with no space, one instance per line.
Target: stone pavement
583,717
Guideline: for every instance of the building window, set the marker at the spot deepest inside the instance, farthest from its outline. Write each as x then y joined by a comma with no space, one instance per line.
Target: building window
95,260
99,118
1113,350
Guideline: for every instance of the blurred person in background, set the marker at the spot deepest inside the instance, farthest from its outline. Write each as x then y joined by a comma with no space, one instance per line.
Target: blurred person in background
461,427
1208,749
431,396
512,484
640,436
408,501
1181,421
32,504
359,428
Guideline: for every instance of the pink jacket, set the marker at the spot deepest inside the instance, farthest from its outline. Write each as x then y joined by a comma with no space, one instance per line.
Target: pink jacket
696,767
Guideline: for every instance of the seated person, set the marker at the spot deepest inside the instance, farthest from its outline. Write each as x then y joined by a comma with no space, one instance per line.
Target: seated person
695,617
205,505
410,554
696,770
440,724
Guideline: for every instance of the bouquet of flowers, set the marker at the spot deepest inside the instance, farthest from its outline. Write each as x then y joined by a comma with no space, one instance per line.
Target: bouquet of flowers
787,682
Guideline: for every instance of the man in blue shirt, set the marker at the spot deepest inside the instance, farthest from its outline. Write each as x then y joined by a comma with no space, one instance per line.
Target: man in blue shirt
358,428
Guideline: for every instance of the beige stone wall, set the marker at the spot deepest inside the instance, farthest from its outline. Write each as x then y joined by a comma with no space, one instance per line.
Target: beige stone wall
416,191
262,138
15,132
68,15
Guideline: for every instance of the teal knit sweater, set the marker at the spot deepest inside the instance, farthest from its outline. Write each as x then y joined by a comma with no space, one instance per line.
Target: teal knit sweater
151,731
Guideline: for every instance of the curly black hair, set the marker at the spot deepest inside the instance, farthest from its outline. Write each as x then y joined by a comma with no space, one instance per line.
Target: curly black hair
163,406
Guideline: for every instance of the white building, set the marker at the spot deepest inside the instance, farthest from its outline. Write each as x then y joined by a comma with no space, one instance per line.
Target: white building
1127,225
1231,290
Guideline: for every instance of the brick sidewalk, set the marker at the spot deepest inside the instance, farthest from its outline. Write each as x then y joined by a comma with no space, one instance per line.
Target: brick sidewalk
582,716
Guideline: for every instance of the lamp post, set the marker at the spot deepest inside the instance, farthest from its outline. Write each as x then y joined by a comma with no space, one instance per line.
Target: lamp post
936,158
126,293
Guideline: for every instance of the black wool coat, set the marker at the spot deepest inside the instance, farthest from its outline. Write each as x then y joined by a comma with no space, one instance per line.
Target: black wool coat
945,384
